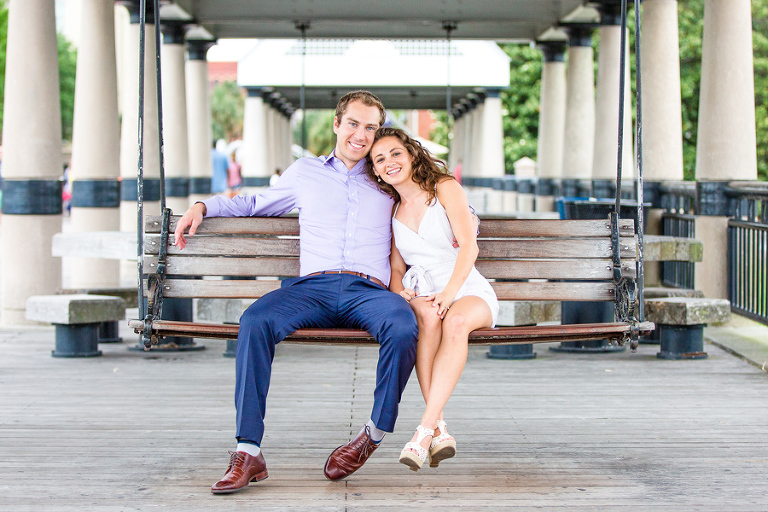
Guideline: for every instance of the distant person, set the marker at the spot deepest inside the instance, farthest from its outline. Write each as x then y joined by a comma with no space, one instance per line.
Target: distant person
273,179
234,174
219,178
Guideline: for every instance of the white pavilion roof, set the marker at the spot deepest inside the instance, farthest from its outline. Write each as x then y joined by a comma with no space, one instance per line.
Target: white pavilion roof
404,73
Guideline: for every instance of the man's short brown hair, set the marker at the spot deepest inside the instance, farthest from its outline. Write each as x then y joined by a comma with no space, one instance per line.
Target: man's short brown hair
366,98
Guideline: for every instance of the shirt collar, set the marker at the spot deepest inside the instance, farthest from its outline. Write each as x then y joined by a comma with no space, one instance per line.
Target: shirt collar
358,168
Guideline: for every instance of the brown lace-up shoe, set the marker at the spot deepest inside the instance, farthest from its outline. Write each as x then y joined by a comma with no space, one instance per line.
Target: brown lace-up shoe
348,458
243,469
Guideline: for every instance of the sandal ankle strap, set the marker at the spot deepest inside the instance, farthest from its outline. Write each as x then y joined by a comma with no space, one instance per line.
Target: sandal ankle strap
424,432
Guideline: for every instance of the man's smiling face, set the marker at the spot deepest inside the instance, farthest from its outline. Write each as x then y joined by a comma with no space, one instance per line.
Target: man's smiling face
355,131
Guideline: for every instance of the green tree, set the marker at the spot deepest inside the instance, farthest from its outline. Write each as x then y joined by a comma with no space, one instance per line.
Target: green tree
67,71
320,137
520,104
760,53
227,111
3,45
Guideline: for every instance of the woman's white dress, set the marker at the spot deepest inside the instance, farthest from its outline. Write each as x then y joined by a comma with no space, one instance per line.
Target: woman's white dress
431,256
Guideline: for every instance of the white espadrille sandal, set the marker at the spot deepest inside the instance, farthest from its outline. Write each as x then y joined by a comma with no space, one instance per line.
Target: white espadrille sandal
442,446
414,455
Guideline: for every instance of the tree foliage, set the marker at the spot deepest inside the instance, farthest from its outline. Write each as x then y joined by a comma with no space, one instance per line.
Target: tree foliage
3,45
320,137
227,111
521,99
520,103
67,71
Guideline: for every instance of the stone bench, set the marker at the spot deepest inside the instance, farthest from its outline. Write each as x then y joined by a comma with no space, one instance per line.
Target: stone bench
672,248
659,292
680,322
77,318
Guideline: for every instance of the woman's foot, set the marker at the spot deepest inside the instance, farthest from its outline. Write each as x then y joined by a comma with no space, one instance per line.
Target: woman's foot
416,452
443,445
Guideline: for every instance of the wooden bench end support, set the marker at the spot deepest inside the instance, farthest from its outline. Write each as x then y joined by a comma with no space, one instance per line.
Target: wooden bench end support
681,321
78,320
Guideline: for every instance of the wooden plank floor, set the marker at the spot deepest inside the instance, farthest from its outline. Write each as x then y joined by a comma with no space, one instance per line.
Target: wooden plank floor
565,432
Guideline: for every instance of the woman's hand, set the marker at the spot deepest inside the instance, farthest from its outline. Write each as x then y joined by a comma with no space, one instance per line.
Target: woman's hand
442,302
408,294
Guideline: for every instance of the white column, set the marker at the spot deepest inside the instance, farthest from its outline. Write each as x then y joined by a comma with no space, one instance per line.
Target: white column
129,131
270,121
31,152
578,142
525,171
288,135
726,146
129,136
662,109
468,138
606,138
551,123
96,143
457,142
199,130
492,148
477,141
255,168
726,137
175,147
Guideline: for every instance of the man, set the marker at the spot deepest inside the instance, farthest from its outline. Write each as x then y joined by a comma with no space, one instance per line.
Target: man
345,243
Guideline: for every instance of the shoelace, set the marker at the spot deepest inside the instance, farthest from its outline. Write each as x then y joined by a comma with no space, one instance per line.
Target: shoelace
364,448
234,458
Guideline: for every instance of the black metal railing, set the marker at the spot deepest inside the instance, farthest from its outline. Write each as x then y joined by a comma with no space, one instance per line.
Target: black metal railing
678,199
748,249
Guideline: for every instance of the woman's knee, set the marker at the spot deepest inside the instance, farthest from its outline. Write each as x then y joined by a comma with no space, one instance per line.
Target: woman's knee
455,325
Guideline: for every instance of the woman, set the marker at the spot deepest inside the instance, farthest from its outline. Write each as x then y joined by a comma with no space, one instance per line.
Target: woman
448,295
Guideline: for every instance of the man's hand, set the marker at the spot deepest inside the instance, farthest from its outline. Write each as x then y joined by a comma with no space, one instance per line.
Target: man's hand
408,294
191,219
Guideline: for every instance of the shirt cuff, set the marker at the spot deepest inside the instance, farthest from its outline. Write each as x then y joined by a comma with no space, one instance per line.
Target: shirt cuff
211,207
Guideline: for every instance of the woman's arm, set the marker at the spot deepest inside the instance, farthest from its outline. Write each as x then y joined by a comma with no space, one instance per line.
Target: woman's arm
452,197
399,268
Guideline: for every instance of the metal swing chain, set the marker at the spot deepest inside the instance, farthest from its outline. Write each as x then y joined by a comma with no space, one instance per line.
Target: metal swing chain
140,174
154,302
624,288
640,198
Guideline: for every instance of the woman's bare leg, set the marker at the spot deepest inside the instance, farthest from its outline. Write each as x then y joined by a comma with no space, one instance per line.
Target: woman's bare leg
444,356
430,333
465,315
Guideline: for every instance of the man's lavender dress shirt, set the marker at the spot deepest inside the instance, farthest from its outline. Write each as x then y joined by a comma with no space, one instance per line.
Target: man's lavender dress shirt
345,219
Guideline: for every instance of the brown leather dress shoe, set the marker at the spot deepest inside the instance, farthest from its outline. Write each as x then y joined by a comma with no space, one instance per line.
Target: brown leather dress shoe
350,457
243,469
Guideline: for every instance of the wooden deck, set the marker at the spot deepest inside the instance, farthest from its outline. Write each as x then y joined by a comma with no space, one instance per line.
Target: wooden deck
606,432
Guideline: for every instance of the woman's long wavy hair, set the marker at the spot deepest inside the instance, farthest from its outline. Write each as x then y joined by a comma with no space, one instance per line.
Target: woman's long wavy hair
426,170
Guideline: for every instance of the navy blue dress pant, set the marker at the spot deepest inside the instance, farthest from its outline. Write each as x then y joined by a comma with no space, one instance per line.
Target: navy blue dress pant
328,300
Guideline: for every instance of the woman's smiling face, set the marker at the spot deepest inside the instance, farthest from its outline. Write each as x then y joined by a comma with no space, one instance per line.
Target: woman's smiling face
391,160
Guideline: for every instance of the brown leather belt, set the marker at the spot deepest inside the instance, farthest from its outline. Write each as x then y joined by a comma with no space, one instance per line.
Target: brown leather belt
351,273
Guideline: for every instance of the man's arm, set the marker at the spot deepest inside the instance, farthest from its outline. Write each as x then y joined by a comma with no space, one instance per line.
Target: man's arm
277,200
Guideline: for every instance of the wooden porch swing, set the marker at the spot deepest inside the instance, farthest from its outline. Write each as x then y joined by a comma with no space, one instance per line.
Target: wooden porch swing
532,260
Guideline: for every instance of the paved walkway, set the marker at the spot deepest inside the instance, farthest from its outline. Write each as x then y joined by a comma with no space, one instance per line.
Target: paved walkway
134,431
